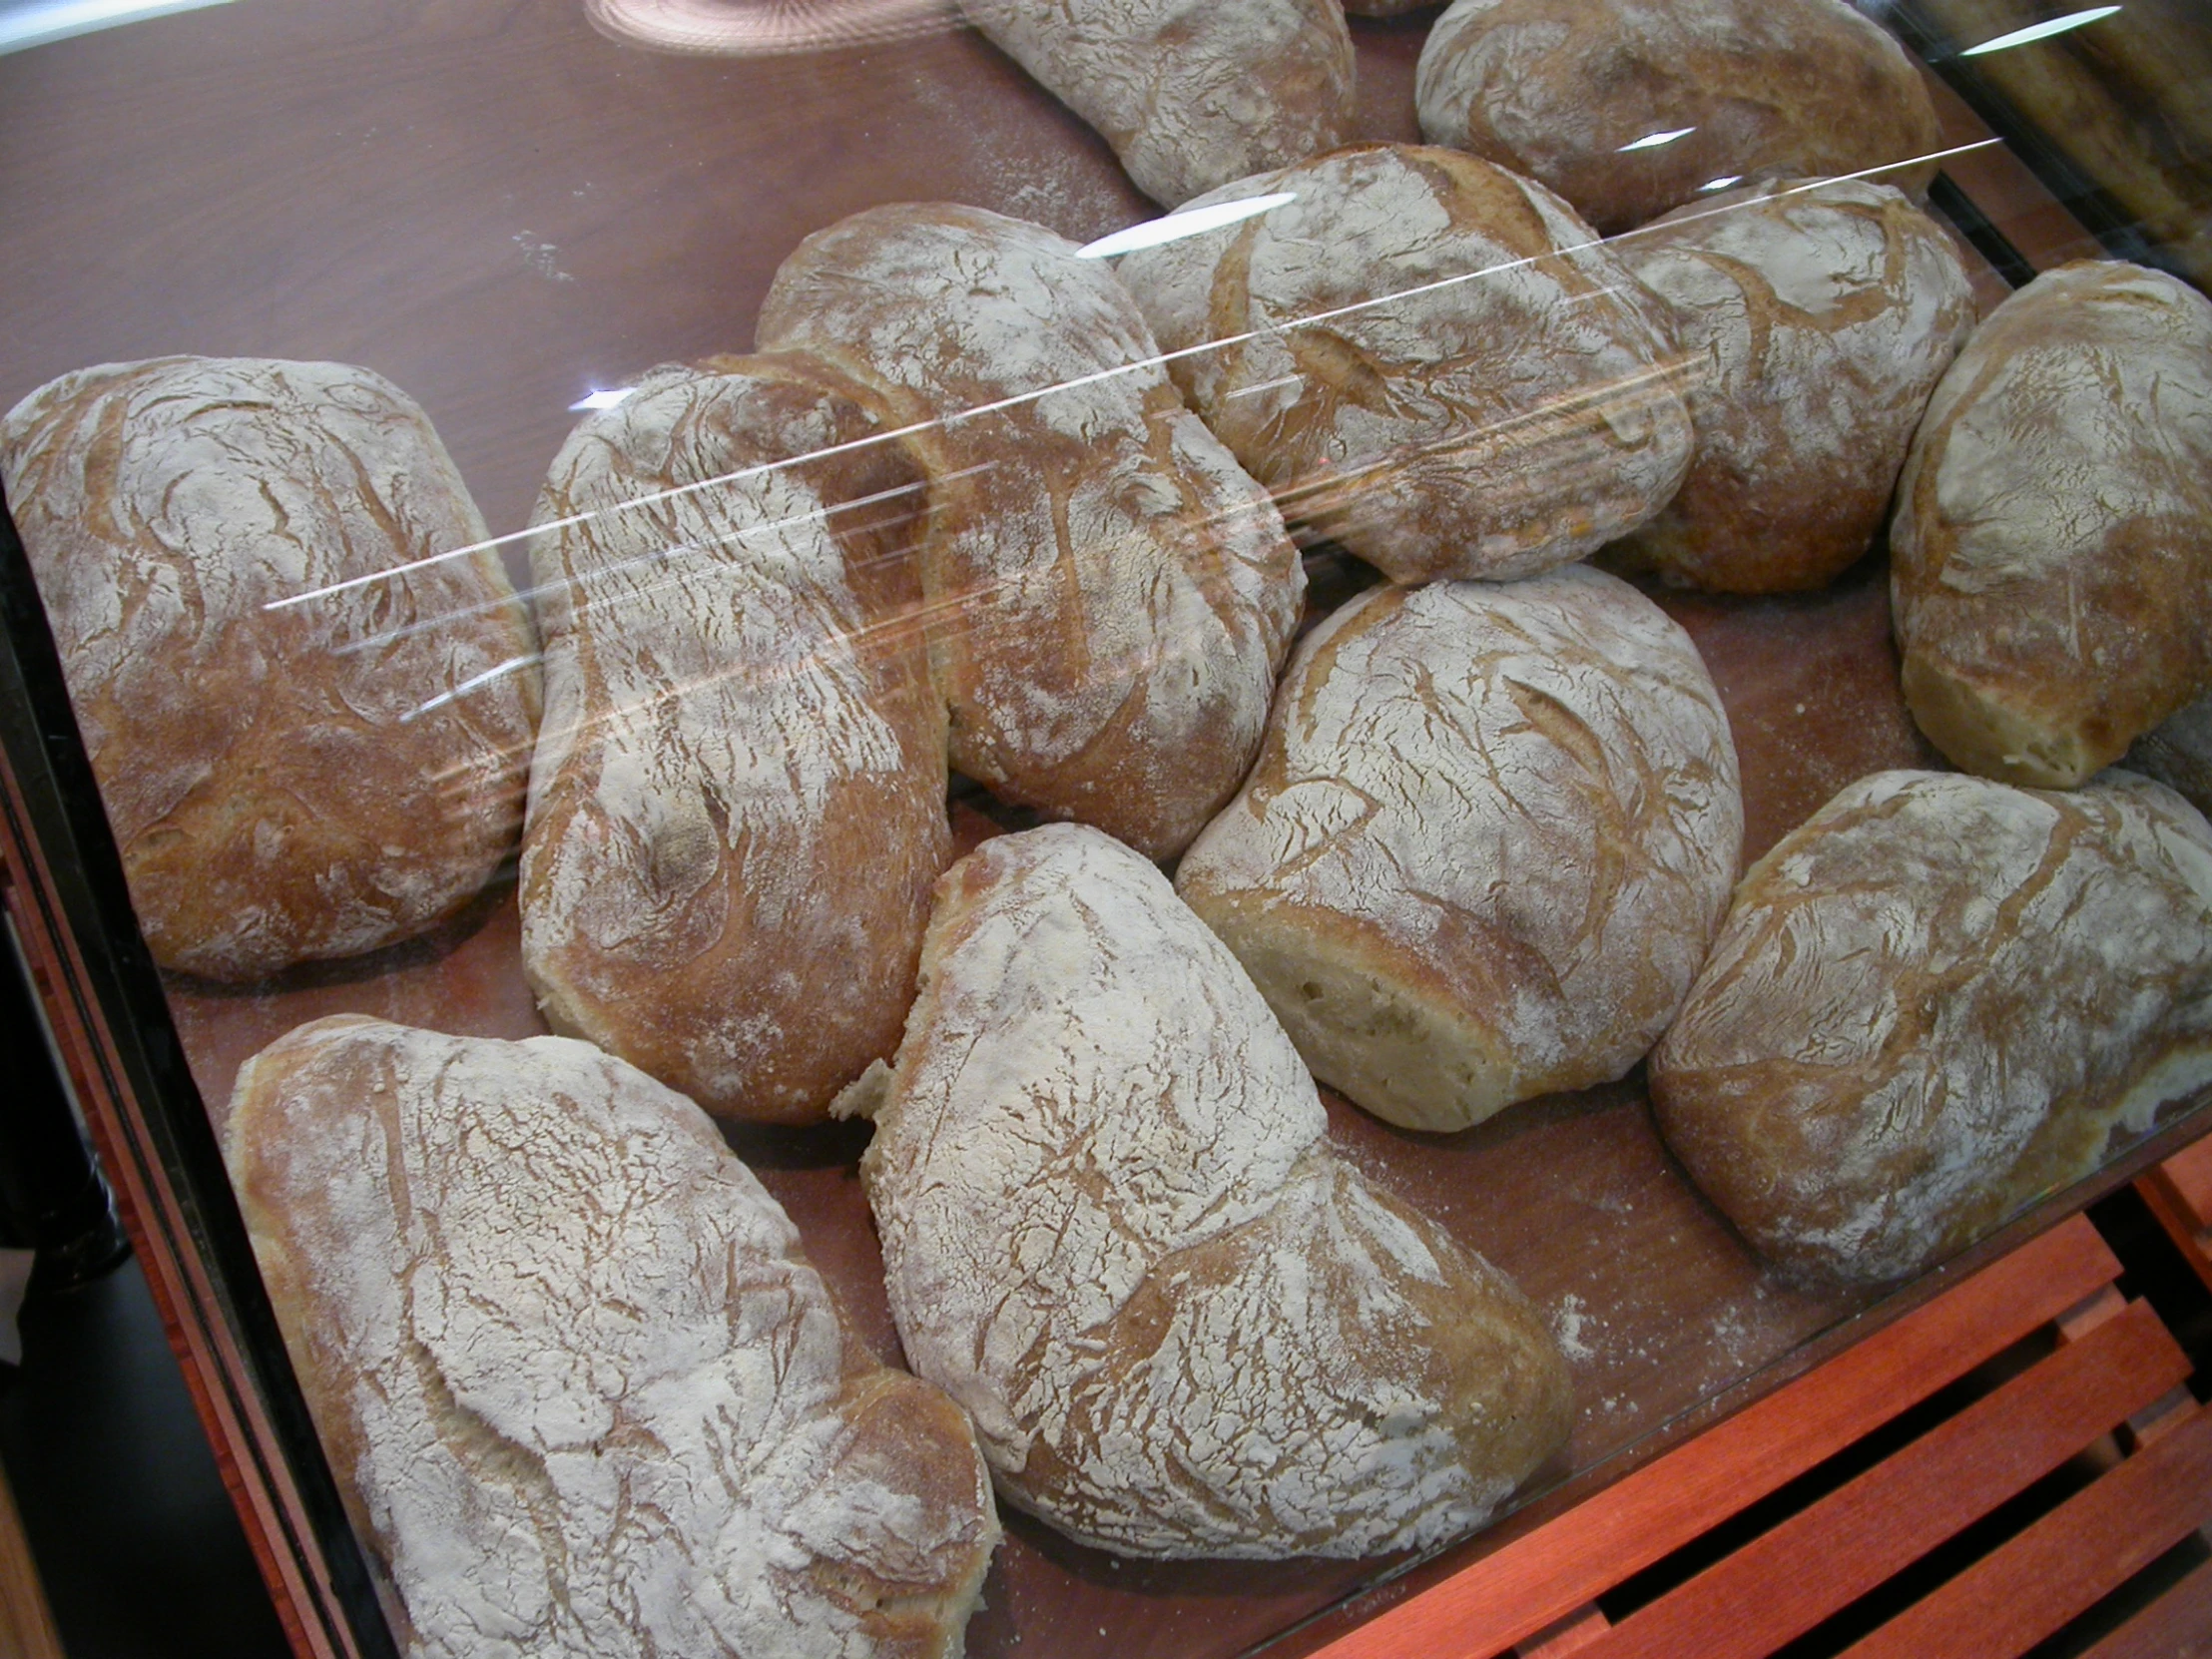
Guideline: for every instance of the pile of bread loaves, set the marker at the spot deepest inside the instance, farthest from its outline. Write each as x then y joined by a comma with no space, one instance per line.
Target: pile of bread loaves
982,503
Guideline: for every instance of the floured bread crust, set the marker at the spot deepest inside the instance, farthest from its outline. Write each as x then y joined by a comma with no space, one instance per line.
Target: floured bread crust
1190,96
309,729
1426,358
1933,1002
2050,561
1108,595
1489,837
738,805
1113,1230
581,1391
1563,90
1820,317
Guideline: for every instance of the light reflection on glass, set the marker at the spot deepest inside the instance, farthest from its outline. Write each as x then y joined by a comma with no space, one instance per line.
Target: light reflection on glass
979,411
600,399
1722,183
23,27
2040,31
1652,141
1176,225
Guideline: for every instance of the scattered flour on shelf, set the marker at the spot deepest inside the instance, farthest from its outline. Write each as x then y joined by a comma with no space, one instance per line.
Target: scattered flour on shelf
1567,1327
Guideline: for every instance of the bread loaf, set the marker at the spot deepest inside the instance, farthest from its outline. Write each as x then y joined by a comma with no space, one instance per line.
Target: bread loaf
1188,96
1935,1001
1426,358
1113,1230
1490,835
1108,594
738,807
2051,555
1627,109
580,1390
1820,318
306,686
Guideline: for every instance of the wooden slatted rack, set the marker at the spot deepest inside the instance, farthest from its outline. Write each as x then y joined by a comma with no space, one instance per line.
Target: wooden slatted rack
2034,1374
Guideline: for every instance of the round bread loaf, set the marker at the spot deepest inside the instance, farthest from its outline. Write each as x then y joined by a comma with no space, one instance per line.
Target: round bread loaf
306,684
1426,358
738,807
581,1391
1628,108
1113,1230
1109,594
1490,835
1931,1003
1190,96
1822,316
2050,561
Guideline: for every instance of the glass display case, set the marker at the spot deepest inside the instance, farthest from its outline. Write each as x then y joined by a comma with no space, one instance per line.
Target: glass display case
515,214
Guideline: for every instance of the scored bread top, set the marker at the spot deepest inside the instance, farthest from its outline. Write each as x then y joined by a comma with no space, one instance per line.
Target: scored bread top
1108,595
2051,552
306,686
1819,316
579,1386
1574,92
1114,1232
737,805
1190,96
1427,358
1932,1002
1509,812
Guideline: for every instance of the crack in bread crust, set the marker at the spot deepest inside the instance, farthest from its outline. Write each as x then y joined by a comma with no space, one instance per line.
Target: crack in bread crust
1113,1230
582,1393
1936,1000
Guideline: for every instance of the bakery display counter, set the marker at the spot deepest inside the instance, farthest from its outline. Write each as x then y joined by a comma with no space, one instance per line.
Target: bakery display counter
514,217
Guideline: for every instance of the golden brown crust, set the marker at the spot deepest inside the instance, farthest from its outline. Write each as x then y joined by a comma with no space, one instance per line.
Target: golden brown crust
1936,1000
1190,96
309,708
738,807
1114,1231
1819,319
1565,90
1107,595
1487,844
2051,552
584,1396
1427,359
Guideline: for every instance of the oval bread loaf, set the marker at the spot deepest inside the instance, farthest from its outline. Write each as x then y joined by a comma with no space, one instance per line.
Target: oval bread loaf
1108,594
738,807
1822,316
1426,358
1628,108
306,684
1489,837
1935,1001
1188,96
1113,1230
582,1393
2050,562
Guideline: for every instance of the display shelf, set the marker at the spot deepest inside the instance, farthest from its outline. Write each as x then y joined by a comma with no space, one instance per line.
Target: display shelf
505,212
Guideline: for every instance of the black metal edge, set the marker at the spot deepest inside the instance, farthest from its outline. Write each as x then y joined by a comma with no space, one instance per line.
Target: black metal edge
1990,242
2101,213
68,824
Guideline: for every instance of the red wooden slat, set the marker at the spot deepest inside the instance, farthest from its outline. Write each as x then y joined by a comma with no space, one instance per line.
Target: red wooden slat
1540,1578
2190,1175
1826,1556
2066,1562
2178,1625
